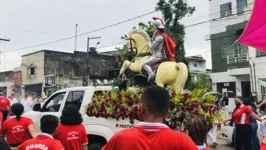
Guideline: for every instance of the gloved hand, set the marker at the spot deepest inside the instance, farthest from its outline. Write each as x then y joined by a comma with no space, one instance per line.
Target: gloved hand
149,44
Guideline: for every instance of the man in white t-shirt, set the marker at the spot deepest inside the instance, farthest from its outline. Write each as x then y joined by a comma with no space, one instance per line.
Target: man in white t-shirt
263,127
27,102
12,99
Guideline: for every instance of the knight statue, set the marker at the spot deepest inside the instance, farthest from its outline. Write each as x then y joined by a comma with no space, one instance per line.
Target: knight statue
162,47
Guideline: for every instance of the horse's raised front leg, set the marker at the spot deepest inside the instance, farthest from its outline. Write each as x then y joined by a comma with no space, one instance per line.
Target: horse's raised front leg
135,67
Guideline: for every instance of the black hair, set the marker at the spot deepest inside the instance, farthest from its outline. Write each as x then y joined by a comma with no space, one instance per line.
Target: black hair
249,102
197,126
71,115
49,124
242,99
17,109
156,100
225,93
4,145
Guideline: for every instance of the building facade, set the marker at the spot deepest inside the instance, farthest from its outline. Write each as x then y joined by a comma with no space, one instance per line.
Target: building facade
10,82
46,71
232,63
196,65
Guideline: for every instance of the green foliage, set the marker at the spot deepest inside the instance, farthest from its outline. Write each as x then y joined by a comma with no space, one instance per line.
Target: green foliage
203,82
147,27
125,105
125,54
173,11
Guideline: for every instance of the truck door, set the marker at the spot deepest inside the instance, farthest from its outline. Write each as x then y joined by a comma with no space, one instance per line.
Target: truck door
54,105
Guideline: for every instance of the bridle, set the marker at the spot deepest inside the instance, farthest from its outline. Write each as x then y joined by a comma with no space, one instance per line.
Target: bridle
131,40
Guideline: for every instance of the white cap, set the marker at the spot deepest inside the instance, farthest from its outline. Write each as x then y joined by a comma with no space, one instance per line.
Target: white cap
158,23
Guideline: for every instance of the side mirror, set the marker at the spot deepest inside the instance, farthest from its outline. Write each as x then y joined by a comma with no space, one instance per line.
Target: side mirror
37,107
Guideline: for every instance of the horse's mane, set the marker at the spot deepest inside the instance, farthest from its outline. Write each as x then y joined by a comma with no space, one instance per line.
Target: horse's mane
142,33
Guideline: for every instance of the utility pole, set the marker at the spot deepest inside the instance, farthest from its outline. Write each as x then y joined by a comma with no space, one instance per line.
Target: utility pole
88,50
5,40
76,37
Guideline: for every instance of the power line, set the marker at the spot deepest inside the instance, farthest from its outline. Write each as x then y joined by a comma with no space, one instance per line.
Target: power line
112,25
106,27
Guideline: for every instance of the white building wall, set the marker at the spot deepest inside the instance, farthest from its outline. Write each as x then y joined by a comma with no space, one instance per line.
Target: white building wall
200,64
8,85
219,24
260,70
223,77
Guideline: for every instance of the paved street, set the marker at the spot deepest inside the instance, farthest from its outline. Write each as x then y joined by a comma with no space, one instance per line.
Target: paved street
223,145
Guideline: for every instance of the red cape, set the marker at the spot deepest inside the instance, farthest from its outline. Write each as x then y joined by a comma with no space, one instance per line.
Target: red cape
170,45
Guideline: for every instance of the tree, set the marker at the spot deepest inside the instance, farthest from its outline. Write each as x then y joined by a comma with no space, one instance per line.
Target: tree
173,11
203,82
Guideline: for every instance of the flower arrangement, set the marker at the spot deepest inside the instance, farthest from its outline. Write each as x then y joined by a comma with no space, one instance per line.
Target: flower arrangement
125,105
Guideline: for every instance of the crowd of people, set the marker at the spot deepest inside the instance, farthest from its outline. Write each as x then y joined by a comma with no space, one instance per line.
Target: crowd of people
17,132
67,133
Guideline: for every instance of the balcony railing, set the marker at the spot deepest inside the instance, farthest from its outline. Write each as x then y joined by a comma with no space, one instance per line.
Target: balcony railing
237,58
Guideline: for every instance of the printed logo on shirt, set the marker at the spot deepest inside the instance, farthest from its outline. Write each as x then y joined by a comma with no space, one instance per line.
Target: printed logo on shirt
17,129
39,146
2,101
123,126
73,135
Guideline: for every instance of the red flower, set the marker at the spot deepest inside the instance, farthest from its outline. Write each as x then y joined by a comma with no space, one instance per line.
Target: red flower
97,115
173,94
136,108
185,96
117,106
131,121
94,101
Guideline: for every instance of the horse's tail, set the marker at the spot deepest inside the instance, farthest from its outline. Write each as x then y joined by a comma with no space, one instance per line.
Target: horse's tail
183,74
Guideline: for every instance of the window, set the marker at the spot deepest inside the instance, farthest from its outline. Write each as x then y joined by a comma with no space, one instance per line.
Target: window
195,65
260,53
226,9
75,98
32,70
192,78
228,50
54,103
241,4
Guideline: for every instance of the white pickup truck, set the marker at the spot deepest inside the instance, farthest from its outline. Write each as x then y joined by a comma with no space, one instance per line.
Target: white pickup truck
99,130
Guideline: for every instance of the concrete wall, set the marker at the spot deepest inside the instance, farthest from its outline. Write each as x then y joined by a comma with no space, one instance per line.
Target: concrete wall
38,60
260,71
200,64
223,77
219,25
8,85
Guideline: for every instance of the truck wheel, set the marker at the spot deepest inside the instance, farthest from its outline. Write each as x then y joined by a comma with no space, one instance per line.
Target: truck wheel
95,146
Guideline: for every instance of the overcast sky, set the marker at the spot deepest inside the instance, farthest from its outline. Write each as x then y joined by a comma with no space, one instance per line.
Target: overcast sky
32,22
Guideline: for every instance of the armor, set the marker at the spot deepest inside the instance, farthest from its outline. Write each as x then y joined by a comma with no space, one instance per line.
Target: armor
158,54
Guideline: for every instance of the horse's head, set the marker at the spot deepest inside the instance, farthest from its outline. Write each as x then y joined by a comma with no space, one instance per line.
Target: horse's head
137,41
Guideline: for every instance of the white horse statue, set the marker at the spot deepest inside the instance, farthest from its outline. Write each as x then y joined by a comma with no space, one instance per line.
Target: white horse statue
168,73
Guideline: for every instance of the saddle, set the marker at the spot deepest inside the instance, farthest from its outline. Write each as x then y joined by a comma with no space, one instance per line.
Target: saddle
153,67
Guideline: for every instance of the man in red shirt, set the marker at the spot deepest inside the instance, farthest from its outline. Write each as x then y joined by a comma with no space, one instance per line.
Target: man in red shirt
151,134
45,140
4,105
1,119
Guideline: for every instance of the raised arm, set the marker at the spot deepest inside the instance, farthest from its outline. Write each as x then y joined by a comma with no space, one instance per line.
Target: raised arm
226,120
256,117
262,103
